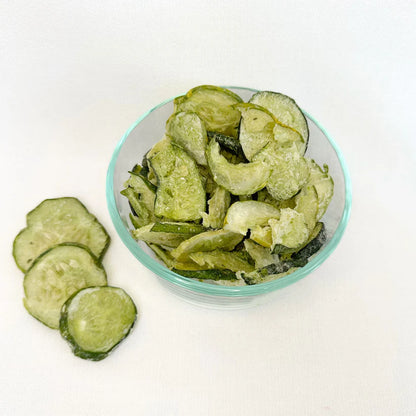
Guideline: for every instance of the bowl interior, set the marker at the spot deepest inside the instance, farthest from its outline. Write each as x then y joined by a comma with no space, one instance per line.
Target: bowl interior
149,129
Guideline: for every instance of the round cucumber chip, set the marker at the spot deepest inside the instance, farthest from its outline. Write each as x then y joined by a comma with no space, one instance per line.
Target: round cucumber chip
55,276
56,221
96,319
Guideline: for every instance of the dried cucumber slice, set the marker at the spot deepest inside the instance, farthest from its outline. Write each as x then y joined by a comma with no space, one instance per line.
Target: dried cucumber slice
285,110
56,221
180,195
188,131
289,170
55,276
96,319
290,230
142,215
218,205
245,215
323,184
239,179
259,127
207,241
256,128
171,262
220,259
166,234
214,106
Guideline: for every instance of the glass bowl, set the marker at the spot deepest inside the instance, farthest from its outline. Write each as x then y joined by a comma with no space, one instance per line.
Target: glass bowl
149,129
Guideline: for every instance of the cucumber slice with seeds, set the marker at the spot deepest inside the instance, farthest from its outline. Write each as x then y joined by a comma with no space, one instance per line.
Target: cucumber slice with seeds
188,131
207,241
245,215
289,170
214,106
239,179
180,195
256,128
56,221
285,110
290,230
55,276
96,319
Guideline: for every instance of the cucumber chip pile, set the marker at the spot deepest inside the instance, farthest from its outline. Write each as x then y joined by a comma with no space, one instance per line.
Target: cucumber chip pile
65,284
228,195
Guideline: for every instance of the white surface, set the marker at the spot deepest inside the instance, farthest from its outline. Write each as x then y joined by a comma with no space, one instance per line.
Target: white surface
75,75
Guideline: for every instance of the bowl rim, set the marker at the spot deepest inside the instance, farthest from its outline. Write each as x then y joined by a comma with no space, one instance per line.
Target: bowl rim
220,290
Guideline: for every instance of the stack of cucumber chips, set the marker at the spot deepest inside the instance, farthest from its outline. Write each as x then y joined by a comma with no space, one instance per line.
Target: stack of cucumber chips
227,196
65,284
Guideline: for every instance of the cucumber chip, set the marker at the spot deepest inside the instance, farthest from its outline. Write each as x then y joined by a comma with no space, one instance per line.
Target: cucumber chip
239,179
55,276
180,195
285,110
214,106
245,215
188,131
95,320
56,221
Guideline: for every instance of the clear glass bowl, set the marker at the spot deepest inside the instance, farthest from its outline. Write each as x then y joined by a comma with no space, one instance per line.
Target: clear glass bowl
149,129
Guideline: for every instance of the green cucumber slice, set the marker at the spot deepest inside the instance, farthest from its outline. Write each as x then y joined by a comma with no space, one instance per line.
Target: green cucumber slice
96,319
56,221
180,195
207,241
218,205
55,276
289,170
178,228
171,262
323,184
256,128
290,230
220,259
285,110
188,131
259,127
214,106
239,179
142,214
245,215
150,234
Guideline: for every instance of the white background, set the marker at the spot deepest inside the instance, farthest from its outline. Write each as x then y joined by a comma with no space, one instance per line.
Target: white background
74,75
